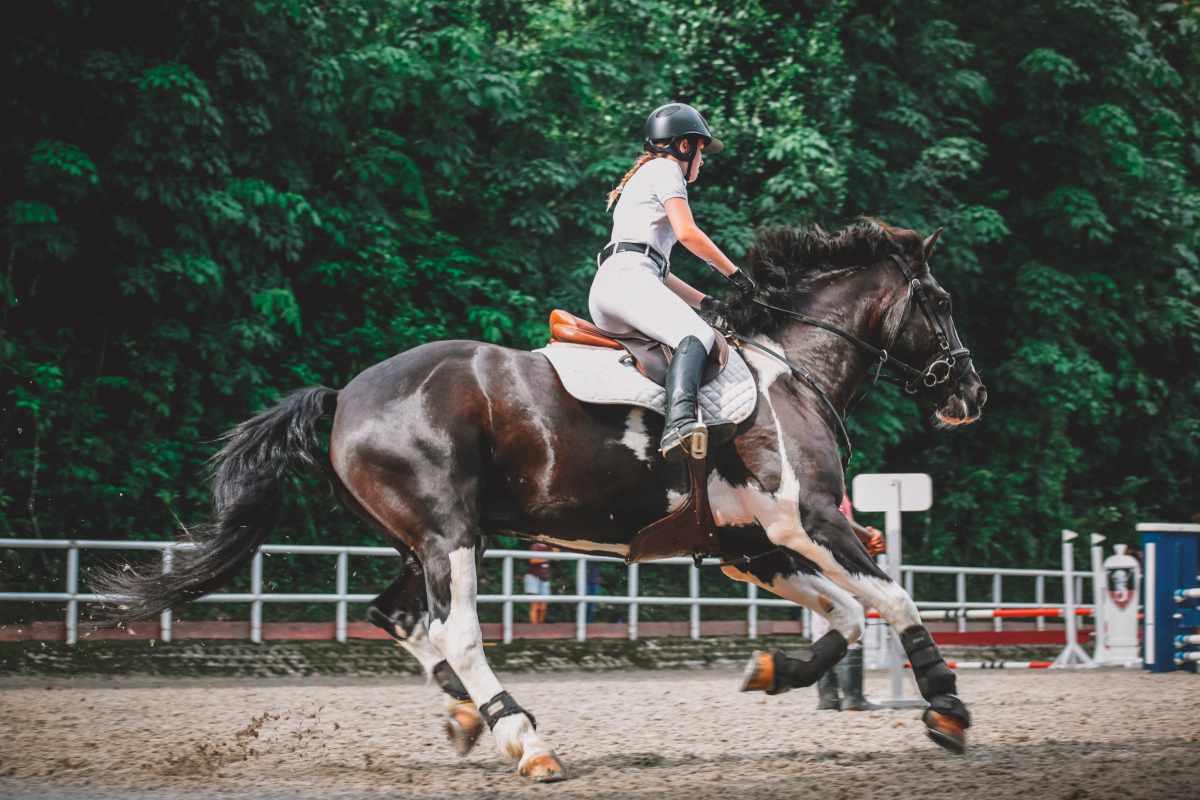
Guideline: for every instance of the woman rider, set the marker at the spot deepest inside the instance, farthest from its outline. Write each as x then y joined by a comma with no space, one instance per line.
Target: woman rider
634,289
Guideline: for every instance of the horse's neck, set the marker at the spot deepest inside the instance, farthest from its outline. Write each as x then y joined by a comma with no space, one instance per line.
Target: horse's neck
854,304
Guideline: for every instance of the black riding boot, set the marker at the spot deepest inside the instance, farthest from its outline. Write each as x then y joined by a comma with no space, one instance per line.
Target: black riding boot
683,381
849,673
827,690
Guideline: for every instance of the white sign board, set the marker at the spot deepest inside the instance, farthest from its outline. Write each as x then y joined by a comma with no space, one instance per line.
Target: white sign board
878,492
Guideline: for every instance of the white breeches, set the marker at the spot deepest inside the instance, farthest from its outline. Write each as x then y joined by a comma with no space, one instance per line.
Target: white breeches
628,295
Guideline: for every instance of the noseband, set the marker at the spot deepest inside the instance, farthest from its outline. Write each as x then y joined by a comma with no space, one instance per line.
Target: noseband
937,373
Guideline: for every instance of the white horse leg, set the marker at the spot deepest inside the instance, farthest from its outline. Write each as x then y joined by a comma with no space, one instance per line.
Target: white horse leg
464,726
774,671
816,593
457,635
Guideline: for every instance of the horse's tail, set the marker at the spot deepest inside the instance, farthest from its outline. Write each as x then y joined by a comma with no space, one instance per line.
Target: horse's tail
247,493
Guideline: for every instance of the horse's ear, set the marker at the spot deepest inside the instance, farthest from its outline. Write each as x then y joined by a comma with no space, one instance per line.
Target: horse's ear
930,242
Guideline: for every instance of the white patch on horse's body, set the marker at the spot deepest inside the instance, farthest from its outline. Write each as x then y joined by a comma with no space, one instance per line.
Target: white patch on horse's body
635,437
460,640
676,499
580,544
768,368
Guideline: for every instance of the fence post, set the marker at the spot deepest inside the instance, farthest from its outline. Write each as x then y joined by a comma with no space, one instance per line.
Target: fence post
72,589
581,606
164,619
997,622
752,613
506,588
961,589
256,604
908,582
343,587
694,593
1040,599
633,607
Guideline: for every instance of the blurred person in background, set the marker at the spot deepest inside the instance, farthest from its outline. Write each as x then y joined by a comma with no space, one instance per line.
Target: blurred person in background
537,581
593,587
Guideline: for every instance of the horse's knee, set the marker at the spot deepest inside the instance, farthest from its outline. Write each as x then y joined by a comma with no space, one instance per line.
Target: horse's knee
847,618
402,605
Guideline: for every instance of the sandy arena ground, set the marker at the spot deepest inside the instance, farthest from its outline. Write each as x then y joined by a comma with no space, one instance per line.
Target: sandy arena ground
1037,734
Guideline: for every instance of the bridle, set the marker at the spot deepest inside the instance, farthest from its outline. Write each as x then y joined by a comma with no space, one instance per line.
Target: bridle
938,372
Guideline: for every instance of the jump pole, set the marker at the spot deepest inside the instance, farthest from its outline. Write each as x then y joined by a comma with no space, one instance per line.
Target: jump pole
892,494
1072,656
1099,599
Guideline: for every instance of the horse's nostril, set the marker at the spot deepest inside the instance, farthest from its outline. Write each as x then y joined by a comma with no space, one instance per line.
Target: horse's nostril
981,397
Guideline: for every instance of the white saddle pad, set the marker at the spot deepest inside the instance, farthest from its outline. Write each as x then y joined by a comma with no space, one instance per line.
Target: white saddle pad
596,375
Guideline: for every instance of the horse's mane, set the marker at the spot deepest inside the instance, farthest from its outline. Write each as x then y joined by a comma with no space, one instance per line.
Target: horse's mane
784,261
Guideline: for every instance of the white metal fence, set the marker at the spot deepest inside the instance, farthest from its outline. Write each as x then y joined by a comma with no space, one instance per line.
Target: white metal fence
959,608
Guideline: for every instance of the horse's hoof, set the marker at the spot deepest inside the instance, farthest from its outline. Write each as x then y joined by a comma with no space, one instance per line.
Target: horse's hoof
948,731
545,768
759,675
464,727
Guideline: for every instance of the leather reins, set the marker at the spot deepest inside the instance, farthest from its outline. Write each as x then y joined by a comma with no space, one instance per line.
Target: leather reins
928,377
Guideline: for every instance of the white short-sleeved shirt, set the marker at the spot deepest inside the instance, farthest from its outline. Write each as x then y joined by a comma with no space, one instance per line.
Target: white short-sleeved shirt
640,215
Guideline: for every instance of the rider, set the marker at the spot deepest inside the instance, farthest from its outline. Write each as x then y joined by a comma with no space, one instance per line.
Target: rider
634,288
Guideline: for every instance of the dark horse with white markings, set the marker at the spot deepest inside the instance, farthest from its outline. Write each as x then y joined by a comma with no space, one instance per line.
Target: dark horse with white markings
448,443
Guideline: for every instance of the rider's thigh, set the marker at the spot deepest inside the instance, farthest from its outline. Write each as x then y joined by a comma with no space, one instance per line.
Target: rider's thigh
627,295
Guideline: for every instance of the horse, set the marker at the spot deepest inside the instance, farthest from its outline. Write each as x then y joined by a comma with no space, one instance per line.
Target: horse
441,446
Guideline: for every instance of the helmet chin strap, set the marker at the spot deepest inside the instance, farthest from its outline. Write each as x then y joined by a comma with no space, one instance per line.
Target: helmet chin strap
672,149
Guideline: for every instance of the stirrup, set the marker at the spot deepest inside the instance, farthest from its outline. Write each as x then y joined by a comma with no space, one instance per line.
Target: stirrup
698,442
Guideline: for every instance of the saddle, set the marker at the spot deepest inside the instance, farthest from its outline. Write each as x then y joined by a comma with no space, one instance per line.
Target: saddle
690,530
651,356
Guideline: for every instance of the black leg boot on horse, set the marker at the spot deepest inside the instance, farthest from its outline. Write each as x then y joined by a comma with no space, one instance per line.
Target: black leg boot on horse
775,672
682,384
401,612
947,719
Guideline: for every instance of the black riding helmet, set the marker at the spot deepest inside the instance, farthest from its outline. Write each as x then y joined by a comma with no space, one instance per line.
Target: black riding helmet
676,121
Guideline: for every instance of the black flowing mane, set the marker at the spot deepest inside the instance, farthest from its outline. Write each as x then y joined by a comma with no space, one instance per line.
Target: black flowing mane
784,261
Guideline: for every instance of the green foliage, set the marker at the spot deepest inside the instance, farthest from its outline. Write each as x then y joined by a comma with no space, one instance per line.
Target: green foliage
207,204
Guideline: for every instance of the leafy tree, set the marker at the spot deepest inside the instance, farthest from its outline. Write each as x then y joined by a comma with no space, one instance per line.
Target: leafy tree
207,203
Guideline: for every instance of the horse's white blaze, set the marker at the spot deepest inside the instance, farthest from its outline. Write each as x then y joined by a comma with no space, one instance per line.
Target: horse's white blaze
460,640
635,437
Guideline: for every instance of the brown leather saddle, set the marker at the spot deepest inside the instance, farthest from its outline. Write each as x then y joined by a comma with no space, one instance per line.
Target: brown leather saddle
651,356
689,530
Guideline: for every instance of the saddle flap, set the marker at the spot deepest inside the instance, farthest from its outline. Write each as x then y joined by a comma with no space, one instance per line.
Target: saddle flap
651,356
575,335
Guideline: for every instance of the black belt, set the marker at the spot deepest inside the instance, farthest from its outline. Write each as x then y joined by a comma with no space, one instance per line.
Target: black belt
633,247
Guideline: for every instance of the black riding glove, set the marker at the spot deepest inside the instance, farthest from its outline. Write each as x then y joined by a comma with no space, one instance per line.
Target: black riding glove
711,305
744,285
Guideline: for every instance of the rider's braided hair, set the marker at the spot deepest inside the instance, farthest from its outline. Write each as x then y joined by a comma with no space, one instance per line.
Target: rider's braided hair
785,261
615,193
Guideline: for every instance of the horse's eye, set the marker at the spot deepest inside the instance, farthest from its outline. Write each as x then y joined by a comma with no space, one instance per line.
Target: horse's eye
944,305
